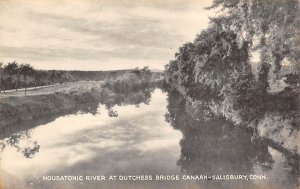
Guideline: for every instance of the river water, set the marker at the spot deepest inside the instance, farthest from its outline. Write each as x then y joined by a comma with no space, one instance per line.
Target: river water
138,141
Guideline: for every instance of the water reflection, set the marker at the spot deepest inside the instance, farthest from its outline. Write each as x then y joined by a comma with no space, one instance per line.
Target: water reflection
16,141
211,145
138,141
137,138
14,134
127,97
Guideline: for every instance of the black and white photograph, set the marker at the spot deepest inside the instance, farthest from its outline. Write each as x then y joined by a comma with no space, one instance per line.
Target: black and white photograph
149,94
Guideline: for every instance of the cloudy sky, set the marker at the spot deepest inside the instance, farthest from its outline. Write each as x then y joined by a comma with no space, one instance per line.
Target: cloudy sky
98,34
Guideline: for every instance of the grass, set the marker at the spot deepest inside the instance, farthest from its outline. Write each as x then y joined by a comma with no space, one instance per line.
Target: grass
65,87
59,99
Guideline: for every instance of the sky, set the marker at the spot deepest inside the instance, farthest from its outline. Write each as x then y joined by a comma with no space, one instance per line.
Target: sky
98,34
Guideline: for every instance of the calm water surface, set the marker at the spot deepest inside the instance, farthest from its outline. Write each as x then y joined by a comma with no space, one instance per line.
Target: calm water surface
137,142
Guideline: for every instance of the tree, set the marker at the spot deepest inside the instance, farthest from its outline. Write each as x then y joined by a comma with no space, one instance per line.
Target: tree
26,71
146,73
12,69
202,68
38,75
274,24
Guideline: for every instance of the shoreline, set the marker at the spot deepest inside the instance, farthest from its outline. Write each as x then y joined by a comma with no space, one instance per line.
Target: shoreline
25,112
18,109
284,143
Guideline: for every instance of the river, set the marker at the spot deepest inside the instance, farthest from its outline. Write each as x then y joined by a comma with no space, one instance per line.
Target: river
138,140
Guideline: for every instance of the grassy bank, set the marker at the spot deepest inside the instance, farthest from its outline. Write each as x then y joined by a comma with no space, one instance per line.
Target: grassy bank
49,89
50,101
20,113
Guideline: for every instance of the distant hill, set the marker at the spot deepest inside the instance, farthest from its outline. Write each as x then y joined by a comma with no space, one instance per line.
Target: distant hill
156,70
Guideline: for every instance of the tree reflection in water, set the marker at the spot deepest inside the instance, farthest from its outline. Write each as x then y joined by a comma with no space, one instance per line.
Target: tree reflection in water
22,142
125,97
212,145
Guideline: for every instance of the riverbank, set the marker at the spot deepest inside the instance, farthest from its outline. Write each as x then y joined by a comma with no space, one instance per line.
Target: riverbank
48,89
276,120
42,106
16,108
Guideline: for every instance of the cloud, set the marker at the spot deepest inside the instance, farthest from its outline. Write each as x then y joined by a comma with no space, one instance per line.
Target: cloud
129,31
80,53
98,31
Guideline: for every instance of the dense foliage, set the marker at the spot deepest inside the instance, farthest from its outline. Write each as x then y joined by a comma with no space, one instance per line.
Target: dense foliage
217,76
134,80
224,49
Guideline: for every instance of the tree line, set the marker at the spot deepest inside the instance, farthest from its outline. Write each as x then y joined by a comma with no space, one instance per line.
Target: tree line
134,80
16,76
216,69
